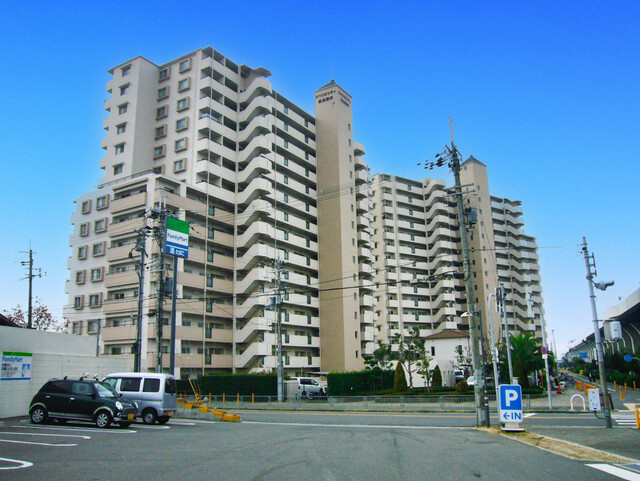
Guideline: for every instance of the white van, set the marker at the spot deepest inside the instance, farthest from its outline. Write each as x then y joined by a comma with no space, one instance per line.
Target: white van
306,388
155,393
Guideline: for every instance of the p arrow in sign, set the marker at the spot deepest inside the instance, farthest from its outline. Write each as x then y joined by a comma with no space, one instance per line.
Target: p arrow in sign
510,402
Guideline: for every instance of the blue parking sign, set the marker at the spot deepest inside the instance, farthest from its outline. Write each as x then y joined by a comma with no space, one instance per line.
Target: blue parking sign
510,401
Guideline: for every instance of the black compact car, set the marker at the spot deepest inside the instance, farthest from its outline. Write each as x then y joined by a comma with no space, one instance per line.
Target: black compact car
81,400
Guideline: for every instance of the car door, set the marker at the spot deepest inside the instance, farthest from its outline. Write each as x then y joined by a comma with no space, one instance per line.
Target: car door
56,397
82,401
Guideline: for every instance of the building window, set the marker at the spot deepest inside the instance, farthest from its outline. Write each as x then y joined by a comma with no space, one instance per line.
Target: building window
185,65
96,274
163,93
161,112
286,198
123,89
95,300
119,148
80,277
122,109
76,326
120,129
433,350
164,74
126,70
84,229
161,131
82,252
286,144
182,104
286,109
286,216
159,151
86,207
100,225
180,144
286,179
286,128
182,124
78,302
98,249
184,84
92,327
180,165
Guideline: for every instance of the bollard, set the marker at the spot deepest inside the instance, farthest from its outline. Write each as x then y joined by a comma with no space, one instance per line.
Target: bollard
238,398
253,398
637,418
621,394
615,386
626,391
223,398
634,385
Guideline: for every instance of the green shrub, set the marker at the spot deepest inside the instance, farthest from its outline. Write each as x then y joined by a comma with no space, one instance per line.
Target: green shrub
399,379
231,384
462,387
352,383
436,380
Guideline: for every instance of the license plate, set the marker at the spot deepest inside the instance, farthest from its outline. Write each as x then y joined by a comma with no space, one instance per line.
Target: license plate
170,413
131,416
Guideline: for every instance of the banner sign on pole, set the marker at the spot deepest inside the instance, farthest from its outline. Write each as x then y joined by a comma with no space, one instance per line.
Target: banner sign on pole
177,240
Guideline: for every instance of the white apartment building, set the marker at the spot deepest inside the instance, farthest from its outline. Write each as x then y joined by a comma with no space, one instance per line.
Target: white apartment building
258,178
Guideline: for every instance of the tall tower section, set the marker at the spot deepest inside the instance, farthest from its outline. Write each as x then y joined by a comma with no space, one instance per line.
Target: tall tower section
337,231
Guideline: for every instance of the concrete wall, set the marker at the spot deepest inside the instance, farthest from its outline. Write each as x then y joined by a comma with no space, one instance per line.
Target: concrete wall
54,355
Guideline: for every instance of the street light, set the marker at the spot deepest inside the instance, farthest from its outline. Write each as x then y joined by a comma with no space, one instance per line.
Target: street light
589,261
544,342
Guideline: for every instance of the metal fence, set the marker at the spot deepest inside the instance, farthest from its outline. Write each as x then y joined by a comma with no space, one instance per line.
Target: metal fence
418,403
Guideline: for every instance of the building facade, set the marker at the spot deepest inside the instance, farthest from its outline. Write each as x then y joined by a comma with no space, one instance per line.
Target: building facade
361,257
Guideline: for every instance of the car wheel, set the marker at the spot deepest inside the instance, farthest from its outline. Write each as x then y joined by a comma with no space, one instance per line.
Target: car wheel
124,425
310,395
163,419
103,419
149,416
38,415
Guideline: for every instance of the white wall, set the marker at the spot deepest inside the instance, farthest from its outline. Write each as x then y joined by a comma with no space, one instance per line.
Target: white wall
54,355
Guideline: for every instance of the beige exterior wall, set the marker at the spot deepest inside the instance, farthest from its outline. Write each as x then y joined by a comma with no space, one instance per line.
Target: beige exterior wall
337,231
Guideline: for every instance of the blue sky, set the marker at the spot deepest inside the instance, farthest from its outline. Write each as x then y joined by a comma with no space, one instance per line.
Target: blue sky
544,93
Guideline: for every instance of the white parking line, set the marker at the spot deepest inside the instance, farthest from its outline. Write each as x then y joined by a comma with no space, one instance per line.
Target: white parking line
21,464
174,423
37,444
616,471
95,430
144,426
48,434
364,426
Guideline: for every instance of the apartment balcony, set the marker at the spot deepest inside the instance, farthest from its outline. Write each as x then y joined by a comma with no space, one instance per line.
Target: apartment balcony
126,227
364,237
114,306
190,205
121,252
292,341
127,203
250,306
256,253
258,145
119,279
200,255
261,104
254,278
366,317
302,362
366,301
222,238
119,334
254,190
259,84
256,167
199,307
254,351
202,145
252,329
301,320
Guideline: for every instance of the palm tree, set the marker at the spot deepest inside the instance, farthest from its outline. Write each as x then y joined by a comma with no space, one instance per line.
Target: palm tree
526,356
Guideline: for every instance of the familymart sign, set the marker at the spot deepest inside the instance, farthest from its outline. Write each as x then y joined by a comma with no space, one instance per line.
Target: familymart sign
177,239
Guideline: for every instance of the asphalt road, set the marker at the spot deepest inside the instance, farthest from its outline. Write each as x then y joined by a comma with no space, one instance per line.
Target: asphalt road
283,446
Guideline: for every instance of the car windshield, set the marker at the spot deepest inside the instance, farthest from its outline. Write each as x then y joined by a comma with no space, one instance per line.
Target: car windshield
105,390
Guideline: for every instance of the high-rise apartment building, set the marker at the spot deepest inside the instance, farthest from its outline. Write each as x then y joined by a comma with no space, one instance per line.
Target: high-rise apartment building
259,179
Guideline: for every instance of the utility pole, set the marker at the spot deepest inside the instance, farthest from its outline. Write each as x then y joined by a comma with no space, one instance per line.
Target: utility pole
160,214
276,303
544,342
502,303
589,261
140,247
30,276
471,304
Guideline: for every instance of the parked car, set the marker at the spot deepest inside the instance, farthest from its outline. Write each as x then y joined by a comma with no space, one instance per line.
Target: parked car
81,400
308,388
154,393
471,381
459,375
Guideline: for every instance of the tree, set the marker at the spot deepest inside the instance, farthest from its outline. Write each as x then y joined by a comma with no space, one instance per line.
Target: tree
380,359
423,367
463,358
41,318
399,379
437,377
526,357
411,348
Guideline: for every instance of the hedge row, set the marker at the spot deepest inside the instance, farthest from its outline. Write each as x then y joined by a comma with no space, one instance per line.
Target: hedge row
359,382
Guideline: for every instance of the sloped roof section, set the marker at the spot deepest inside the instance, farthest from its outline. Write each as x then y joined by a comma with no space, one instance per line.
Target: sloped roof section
449,334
